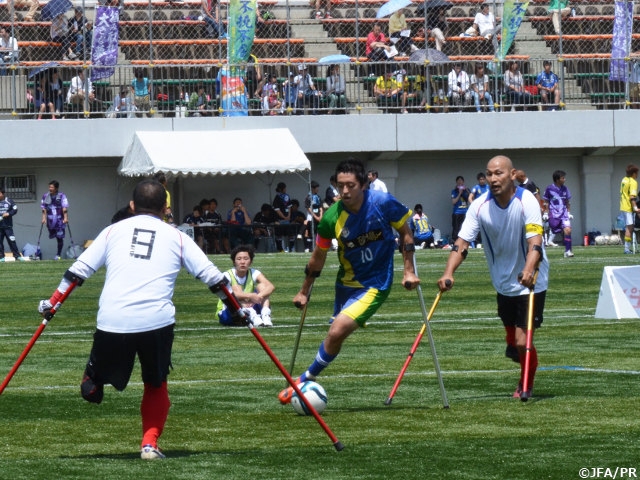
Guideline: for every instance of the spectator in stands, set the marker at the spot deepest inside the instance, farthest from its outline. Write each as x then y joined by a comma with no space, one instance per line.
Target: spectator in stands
298,219
331,194
514,85
422,231
290,93
460,201
480,88
437,25
42,98
400,33
262,20
253,77
211,16
81,88
123,106
440,101
319,10
271,102
308,94
8,50
199,103
558,8
387,89
459,86
412,90
59,31
81,32
142,93
56,91
376,47
484,23
32,5
336,89
548,87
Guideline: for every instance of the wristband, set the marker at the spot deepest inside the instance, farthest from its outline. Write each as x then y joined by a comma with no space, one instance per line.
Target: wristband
407,247
464,252
309,273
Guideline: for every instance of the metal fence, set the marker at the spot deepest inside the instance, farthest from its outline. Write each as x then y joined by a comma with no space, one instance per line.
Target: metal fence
180,48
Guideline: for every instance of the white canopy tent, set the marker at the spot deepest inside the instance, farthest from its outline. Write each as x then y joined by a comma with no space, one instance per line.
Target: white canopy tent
219,152
180,154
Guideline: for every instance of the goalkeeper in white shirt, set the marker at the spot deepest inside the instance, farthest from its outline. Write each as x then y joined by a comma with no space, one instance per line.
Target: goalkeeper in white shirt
143,256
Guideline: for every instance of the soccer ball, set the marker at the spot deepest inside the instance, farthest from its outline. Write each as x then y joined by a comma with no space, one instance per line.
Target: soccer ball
600,240
614,240
314,393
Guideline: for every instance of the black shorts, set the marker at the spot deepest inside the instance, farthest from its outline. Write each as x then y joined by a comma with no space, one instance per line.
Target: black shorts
514,311
113,354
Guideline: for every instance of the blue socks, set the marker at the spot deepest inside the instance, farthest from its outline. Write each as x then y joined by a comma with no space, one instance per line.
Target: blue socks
322,360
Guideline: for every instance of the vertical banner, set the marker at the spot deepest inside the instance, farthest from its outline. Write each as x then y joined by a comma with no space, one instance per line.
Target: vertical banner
104,49
513,13
233,95
620,47
242,27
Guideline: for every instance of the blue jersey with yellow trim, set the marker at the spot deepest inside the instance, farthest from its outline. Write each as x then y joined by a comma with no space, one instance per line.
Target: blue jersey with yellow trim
366,241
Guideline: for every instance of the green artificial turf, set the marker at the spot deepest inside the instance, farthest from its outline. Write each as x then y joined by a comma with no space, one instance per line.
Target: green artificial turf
226,423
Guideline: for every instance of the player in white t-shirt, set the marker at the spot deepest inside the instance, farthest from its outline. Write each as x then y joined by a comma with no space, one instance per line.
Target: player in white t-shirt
511,225
143,256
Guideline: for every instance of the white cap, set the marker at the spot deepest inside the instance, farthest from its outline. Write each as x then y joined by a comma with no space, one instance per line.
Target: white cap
301,67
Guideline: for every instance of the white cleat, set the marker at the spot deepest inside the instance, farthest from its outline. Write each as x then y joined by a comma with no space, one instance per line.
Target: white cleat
568,254
266,320
150,453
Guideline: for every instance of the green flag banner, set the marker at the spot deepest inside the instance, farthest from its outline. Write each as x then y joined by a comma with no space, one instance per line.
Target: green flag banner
242,27
513,12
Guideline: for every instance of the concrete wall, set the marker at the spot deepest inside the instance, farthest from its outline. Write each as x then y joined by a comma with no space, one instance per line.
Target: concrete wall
418,156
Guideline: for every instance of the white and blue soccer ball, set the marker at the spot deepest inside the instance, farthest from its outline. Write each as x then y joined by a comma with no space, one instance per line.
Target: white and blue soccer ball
314,393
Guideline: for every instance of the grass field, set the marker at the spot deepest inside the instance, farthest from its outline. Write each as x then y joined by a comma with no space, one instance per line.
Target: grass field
226,423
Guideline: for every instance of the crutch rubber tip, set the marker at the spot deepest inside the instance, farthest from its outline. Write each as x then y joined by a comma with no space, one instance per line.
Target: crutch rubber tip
524,397
388,401
339,446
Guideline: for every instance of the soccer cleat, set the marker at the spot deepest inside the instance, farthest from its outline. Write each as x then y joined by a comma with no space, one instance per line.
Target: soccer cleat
57,257
22,259
148,452
285,395
512,353
568,254
551,244
628,252
518,391
254,318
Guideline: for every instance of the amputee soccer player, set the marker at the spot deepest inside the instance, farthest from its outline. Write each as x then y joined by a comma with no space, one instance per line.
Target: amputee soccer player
362,221
143,256
511,225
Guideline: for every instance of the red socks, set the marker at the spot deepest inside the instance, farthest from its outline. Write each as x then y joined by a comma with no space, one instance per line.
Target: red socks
511,336
154,409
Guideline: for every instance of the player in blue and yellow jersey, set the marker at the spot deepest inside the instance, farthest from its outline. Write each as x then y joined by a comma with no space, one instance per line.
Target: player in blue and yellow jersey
363,223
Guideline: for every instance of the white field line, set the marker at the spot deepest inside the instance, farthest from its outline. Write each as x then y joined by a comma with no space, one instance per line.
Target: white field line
445,373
